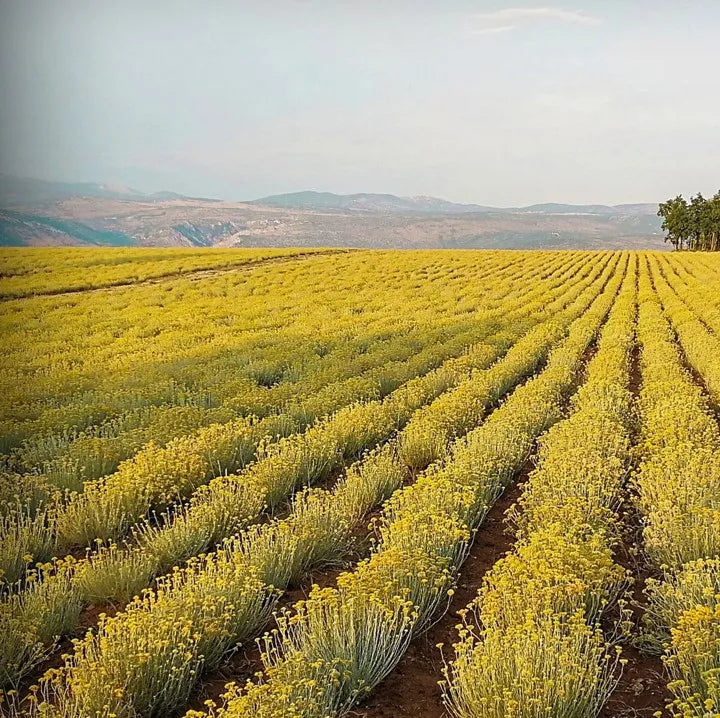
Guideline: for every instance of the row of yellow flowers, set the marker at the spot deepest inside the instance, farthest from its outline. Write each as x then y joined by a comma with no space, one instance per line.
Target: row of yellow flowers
698,291
230,504
68,461
243,379
699,270
287,347
72,362
335,647
157,476
148,659
531,644
700,345
426,437
109,505
28,272
678,484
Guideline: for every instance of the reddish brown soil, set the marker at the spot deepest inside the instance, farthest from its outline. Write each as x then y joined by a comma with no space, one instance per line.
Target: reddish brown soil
412,688
90,617
635,374
642,689
490,543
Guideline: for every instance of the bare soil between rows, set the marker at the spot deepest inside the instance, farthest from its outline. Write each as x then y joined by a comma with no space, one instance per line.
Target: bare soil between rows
412,687
642,688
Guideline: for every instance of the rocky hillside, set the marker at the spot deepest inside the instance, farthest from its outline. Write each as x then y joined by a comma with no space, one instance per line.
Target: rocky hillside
34,213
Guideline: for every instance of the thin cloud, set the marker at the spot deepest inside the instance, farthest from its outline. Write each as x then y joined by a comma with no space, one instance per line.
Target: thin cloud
492,30
500,21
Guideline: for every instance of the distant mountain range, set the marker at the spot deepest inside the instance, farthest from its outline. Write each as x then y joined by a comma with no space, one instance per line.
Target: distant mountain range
40,213
23,191
366,202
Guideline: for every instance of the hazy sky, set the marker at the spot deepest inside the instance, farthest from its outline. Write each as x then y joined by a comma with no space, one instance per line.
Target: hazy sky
496,103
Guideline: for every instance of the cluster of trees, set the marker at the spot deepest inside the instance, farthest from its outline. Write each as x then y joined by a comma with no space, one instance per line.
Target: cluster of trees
692,225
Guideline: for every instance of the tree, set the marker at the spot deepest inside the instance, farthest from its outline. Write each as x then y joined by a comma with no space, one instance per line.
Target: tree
693,226
675,216
696,215
713,212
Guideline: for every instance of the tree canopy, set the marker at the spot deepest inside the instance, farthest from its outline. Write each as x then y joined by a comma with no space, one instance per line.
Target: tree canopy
692,225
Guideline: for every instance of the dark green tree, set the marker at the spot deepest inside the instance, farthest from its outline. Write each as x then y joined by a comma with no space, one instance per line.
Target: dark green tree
694,225
713,212
698,222
675,216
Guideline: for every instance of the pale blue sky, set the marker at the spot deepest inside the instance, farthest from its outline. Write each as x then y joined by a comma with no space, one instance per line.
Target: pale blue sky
488,102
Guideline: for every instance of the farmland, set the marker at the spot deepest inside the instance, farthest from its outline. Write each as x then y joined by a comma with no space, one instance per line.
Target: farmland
298,483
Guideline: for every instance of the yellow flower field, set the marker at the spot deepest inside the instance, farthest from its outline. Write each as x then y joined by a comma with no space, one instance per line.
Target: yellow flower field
262,483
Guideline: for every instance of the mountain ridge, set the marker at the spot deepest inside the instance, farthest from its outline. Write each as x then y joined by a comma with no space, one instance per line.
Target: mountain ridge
39,213
24,191
368,202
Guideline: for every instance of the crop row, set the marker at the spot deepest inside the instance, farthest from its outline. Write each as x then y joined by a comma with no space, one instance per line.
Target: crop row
75,365
232,371
335,647
157,476
531,643
701,295
678,484
280,395
272,382
30,272
701,346
231,503
701,271
96,366
68,463
229,305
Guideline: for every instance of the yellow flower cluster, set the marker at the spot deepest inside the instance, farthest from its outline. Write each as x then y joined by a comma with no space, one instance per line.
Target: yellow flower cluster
149,657
284,551
177,434
304,384
229,504
700,345
37,271
319,531
679,474
71,362
428,434
360,370
530,643
698,289
337,645
678,486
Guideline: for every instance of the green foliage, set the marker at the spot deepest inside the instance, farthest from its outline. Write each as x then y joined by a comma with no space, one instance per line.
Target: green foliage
692,226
